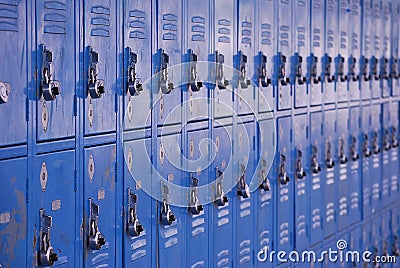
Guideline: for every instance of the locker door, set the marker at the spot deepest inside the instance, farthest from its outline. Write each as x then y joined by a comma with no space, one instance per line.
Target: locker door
317,175
355,182
376,50
376,157
330,190
343,179
243,203
99,206
343,49
386,48
222,208
13,77
354,43
387,168
394,55
244,90
55,65
366,50
170,218
223,51
302,176
196,50
314,61
13,213
301,50
265,236
198,215
135,71
138,220
394,152
99,67
331,43
265,50
284,177
167,55
52,215
282,59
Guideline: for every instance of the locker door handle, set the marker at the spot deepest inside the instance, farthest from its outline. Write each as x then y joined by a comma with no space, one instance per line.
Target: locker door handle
133,85
166,215
49,87
353,149
134,225
374,68
242,188
219,199
342,154
221,81
300,172
366,150
375,144
164,84
95,86
194,83
266,184
386,144
95,238
244,81
384,72
298,70
352,69
262,70
394,141
393,69
194,205
282,69
283,177
47,256
313,69
314,161
5,91
329,158
364,69
327,63
340,69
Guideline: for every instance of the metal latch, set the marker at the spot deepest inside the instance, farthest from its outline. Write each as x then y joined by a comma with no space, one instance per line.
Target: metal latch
47,256
194,205
340,69
96,238
262,70
132,83
314,160
221,81
95,85
134,226
298,70
364,68
244,81
374,68
242,187
164,85
329,157
353,149
342,153
5,90
220,198
282,69
166,215
49,87
352,69
283,177
313,70
300,172
327,63
193,82
366,150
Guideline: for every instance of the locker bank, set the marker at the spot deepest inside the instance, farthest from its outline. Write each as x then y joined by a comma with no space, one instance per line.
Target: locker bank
199,133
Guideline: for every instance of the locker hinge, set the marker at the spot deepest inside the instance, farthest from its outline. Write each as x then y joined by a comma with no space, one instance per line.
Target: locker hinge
75,180
75,105
26,109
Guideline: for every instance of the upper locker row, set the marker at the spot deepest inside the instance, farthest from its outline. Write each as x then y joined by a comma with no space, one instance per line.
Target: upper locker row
89,59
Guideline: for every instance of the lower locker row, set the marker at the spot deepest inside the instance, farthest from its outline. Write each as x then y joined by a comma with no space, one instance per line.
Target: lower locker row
334,175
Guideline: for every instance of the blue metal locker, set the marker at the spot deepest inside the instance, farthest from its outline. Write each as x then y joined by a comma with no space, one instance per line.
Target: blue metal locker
138,205
243,203
376,49
244,90
13,213
366,50
224,48
13,77
264,203
196,50
52,210
196,163
300,167
222,209
331,50
394,152
282,58
301,51
376,157
331,167
98,88
355,184
375,241
284,177
343,50
265,47
99,205
135,69
314,61
394,61
395,228
367,244
385,239
343,169
170,218
55,65
167,55
386,48
366,162
387,169
354,46
317,175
